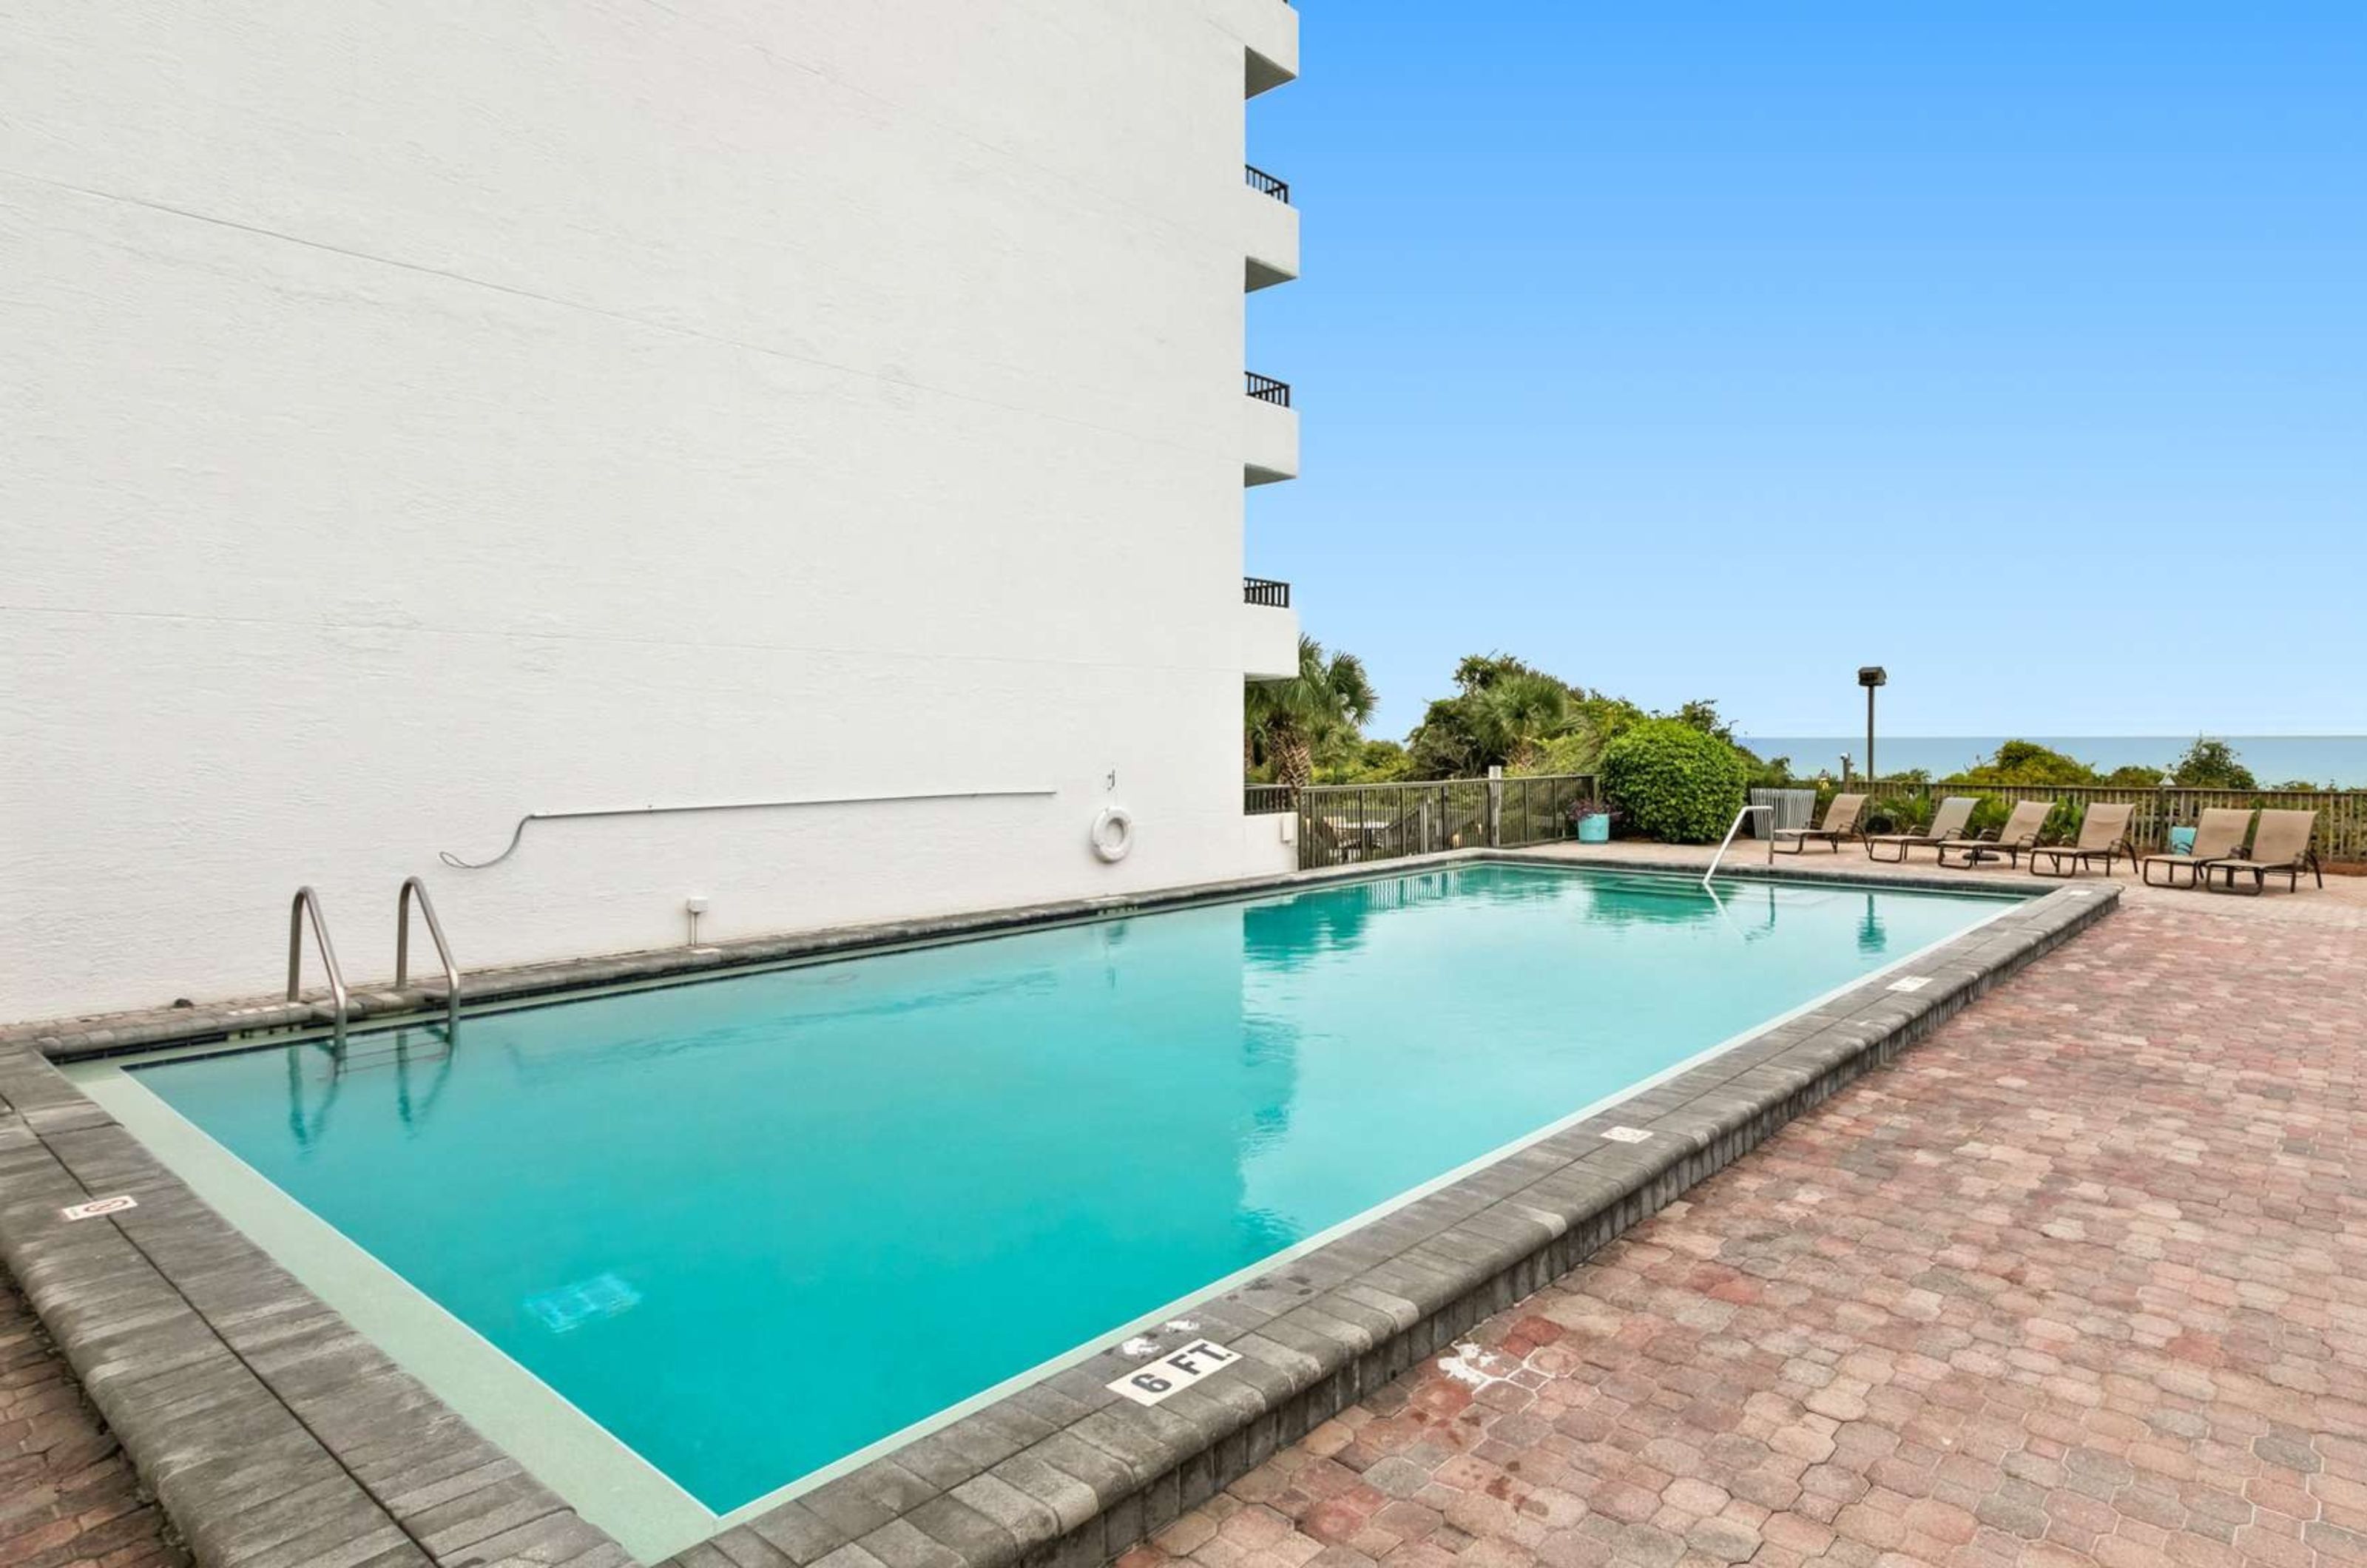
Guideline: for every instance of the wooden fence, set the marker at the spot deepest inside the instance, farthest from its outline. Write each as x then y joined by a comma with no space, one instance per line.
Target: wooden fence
1350,824
2341,832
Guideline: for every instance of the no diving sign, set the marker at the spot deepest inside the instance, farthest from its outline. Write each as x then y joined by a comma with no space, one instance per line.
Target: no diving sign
1154,1381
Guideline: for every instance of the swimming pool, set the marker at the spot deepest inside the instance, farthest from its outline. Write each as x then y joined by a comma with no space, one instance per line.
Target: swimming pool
679,1247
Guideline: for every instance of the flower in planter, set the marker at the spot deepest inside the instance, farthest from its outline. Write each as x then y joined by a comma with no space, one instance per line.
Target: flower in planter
1580,810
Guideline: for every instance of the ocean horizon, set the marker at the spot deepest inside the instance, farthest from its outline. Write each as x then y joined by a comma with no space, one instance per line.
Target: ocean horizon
2337,760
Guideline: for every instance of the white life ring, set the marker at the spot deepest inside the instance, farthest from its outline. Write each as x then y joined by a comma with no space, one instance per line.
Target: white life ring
1114,833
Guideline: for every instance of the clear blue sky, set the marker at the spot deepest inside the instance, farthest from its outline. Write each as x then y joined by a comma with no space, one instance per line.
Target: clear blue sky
1714,350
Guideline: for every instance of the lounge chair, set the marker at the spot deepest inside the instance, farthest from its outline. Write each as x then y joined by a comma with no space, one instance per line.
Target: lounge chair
2217,836
1337,848
2279,843
1841,822
1947,827
2019,834
2103,834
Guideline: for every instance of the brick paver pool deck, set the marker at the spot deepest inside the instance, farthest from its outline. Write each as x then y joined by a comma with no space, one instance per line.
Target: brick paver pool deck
68,1499
2083,1279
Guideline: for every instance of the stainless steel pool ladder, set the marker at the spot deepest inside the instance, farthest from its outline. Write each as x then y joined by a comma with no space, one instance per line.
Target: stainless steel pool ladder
308,903
411,885
1735,826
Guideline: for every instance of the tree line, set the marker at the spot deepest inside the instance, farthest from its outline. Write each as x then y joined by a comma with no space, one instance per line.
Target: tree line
1507,713
1504,713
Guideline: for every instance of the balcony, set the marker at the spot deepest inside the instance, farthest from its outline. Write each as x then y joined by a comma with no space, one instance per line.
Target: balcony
1269,630
1269,230
1269,34
1270,432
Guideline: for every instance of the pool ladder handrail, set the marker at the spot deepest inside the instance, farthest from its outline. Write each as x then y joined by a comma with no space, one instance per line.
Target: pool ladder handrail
1735,826
411,885
308,903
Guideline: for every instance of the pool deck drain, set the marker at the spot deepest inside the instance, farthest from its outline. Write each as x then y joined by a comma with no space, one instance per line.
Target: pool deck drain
275,1435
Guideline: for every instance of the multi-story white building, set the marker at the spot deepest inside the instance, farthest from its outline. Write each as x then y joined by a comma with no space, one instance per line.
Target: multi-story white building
416,415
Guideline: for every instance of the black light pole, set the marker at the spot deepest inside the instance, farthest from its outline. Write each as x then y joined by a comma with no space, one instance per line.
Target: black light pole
1870,676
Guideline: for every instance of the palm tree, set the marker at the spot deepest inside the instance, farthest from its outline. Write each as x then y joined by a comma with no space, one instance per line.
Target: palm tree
1519,713
1328,698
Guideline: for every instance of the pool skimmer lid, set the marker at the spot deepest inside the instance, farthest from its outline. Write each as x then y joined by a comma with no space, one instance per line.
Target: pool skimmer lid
1627,1135
1912,983
1180,1368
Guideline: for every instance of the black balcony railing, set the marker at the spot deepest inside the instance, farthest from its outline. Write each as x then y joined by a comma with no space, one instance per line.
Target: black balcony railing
1261,181
1268,800
1266,389
1265,591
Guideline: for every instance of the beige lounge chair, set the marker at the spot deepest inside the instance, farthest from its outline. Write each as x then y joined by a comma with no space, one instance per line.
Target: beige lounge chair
2218,835
2103,834
2279,843
1841,822
2019,834
1947,827
1336,848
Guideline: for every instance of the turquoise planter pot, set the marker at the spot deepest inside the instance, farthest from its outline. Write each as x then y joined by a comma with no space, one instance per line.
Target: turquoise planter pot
1594,830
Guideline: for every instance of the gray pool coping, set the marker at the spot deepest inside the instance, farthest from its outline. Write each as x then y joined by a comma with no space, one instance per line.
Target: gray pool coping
254,1017
275,1436
148,1028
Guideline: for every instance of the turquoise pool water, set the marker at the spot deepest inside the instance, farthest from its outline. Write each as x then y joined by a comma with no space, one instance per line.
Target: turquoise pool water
752,1225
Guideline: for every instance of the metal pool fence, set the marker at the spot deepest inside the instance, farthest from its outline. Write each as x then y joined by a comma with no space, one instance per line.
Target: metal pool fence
1346,824
1352,824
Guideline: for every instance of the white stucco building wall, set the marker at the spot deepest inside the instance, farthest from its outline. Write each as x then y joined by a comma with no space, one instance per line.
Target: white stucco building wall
421,414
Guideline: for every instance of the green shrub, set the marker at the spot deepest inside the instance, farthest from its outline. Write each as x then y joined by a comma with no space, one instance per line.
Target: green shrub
1579,751
2025,763
1673,782
2211,764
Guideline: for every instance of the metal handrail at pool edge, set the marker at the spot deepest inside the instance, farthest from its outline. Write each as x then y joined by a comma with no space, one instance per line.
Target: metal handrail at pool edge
308,902
1735,826
411,885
